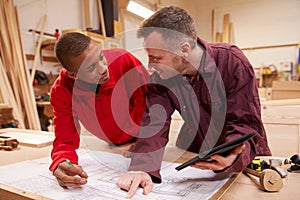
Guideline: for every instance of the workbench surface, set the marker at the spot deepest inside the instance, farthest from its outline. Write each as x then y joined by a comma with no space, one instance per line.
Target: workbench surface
244,187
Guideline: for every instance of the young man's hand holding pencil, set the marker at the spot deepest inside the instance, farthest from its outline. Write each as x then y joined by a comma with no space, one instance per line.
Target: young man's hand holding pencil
69,174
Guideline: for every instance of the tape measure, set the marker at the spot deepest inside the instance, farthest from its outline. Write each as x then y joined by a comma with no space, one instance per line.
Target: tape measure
258,165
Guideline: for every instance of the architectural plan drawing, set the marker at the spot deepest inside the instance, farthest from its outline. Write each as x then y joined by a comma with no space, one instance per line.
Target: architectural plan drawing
104,169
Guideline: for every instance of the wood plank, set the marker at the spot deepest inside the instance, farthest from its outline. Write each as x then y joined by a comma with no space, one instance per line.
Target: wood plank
8,96
123,4
16,59
218,37
213,25
48,44
87,15
285,90
281,102
118,27
11,193
286,85
282,94
37,50
29,138
225,33
44,58
101,18
269,46
25,85
11,89
230,33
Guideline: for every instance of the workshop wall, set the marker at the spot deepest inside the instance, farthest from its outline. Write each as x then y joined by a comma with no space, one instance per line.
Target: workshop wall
133,44
66,14
255,23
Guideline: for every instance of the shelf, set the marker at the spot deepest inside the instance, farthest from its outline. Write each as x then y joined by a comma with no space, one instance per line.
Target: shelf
48,44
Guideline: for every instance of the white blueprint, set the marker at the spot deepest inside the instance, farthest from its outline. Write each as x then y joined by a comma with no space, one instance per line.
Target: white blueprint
104,169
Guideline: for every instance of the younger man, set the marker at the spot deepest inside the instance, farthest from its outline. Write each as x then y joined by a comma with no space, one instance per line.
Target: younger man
93,89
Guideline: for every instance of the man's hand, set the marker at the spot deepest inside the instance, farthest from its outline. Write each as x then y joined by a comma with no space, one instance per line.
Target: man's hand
131,180
70,175
219,162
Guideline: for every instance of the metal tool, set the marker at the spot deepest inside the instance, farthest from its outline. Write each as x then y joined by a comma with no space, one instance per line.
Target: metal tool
295,163
275,164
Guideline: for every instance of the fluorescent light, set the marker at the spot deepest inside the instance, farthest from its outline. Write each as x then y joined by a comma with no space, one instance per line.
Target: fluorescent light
139,10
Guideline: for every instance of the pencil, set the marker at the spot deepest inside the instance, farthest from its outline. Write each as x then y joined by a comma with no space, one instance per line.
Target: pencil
70,163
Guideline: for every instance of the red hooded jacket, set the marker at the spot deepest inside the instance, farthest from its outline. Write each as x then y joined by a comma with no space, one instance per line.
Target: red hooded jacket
110,111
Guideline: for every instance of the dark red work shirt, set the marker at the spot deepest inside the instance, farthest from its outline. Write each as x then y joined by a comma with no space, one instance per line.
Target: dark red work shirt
220,104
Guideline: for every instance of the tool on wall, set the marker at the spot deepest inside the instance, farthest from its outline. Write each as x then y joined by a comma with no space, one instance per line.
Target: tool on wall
56,34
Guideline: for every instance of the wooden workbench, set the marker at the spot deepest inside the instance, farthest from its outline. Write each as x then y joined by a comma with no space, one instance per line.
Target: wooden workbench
243,188
281,120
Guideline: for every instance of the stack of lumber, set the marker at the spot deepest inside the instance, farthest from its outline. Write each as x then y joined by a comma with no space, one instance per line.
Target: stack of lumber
285,90
224,36
16,89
